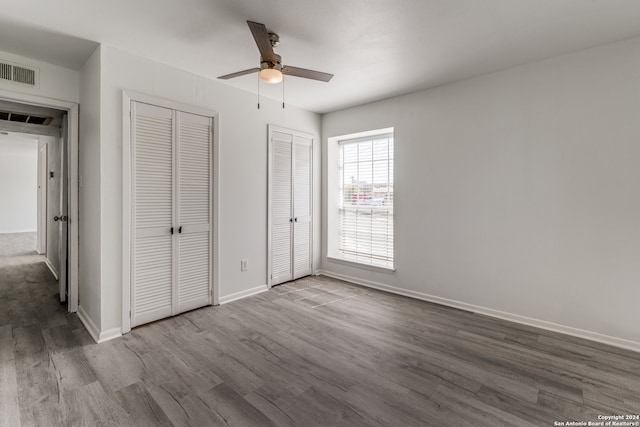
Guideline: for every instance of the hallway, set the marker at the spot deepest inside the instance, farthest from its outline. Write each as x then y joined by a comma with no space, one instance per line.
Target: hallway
28,290
32,322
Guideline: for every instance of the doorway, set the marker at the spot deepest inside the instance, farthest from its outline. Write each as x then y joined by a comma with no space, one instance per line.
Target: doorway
50,129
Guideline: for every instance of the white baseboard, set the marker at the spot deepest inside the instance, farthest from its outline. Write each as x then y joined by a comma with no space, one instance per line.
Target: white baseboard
110,334
52,268
88,324
97,336
18,231
543,324
243,294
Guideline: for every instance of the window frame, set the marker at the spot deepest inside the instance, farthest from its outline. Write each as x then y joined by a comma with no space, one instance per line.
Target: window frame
334,224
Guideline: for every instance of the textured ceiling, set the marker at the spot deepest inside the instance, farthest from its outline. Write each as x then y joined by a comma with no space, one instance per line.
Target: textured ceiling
375,48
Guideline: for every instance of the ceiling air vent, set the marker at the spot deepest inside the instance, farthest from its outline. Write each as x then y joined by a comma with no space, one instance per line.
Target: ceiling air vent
15,73
25,118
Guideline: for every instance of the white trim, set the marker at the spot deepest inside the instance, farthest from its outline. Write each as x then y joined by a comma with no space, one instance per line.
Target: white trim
98,337
516,318
109,335
372,137
243,294
166,103
18,231
72,113
74,184
215,209
363,135
269,208
52,268
126,213
363,265
127,206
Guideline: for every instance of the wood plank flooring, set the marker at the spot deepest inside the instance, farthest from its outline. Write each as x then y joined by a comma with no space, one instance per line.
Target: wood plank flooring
316,352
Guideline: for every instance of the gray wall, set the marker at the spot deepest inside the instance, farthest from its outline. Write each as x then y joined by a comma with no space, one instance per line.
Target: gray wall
517,192
89,190
242,174
18,184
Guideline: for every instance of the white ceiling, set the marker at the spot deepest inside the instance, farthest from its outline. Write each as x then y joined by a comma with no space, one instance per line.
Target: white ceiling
375,48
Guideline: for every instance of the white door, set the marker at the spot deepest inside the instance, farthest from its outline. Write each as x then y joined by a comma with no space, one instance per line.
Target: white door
171,262
152,272
193,211
302,207
64,209
281,209
290,205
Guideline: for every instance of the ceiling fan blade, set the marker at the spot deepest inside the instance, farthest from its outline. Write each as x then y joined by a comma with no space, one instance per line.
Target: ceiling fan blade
307,74
239,73
261,36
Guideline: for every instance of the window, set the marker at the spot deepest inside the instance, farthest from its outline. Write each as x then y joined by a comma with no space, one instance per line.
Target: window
365,200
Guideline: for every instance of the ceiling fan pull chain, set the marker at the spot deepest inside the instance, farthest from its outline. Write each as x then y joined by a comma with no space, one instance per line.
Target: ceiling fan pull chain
258,91
283,79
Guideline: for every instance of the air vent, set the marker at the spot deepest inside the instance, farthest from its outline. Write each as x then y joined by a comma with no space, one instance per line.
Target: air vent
6,71
25,118
16,73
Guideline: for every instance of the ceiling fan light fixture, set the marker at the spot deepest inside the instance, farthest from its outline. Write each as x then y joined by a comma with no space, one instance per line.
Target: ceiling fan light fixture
271,69
271,75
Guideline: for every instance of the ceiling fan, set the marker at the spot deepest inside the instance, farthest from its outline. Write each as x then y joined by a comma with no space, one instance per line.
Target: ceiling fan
271,68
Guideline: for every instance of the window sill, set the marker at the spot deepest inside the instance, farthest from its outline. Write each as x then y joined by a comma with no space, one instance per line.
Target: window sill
356,264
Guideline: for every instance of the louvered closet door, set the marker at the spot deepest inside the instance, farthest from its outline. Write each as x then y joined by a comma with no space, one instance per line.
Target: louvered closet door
281,209
193,211
152,252
302,232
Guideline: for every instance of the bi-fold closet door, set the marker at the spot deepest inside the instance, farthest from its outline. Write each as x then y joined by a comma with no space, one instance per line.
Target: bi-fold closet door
291,226
171,212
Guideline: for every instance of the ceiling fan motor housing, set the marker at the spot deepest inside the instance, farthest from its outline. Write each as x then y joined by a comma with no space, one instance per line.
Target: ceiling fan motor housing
276,63
274,39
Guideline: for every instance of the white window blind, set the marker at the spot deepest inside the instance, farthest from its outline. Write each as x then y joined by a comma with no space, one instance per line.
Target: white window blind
366,200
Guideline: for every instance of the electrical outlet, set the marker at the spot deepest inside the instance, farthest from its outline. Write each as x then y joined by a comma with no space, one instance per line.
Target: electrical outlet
244,264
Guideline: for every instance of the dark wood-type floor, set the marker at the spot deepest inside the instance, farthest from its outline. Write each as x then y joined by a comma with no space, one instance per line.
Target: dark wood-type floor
314,352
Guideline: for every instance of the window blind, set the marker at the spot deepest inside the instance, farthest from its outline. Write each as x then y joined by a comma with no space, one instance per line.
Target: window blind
366,200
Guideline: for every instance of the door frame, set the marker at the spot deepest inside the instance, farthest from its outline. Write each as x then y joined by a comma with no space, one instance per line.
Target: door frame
127,205
72,111
42,198
293,133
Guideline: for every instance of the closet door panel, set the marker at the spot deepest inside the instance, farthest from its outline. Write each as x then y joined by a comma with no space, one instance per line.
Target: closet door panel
194,271
281,216
194,136
302,207
152,295
152,252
